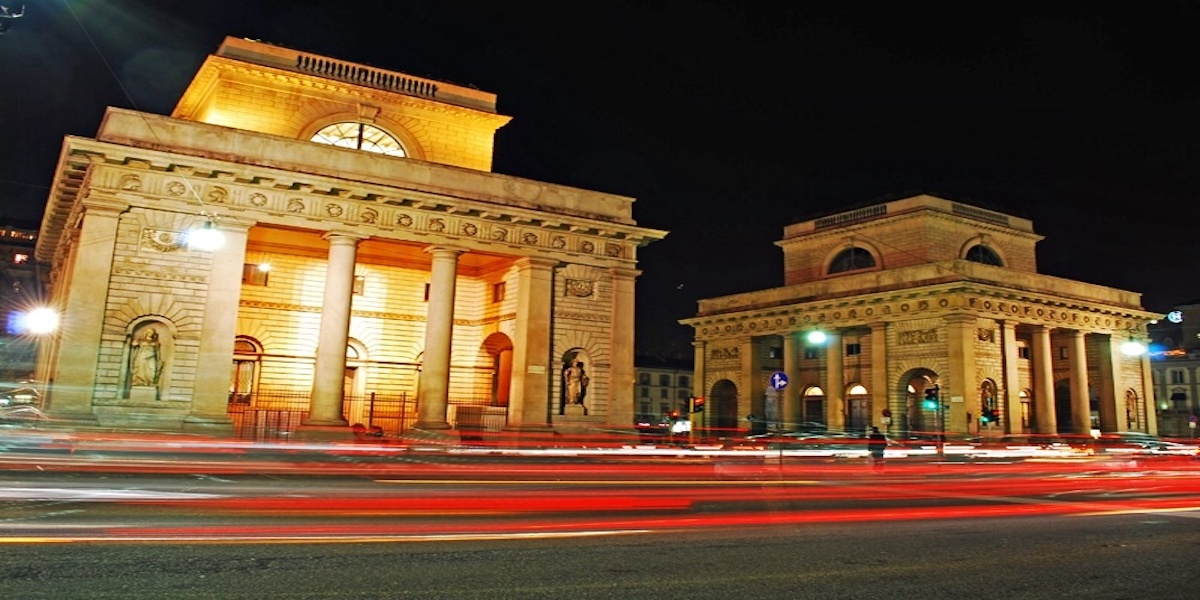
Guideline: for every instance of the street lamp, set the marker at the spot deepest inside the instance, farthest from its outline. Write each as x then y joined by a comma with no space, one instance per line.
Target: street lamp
206,238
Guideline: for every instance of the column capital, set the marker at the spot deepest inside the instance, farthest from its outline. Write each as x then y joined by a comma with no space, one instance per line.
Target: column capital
343,236
537,262
625,272
443,249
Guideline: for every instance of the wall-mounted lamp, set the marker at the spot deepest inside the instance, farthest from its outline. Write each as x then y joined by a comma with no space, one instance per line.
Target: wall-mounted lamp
206,238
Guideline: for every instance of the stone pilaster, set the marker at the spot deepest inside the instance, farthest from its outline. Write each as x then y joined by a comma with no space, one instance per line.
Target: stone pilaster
210,394
529,400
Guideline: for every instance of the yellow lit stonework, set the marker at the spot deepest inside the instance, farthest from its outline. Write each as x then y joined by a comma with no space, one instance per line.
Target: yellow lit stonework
384,270
922,304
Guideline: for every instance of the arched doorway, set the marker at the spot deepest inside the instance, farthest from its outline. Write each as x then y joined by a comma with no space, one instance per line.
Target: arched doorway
723,404
499,348
858,408
914,418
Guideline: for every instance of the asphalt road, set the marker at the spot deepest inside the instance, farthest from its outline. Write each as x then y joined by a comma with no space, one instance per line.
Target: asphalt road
1114,557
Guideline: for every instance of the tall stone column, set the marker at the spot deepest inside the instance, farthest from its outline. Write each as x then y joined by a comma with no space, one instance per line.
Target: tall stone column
624,378
1010,396
881,385
752,389
1044,418
210,392
963,331
699,386
439,328
529,402
1109,371
1081,409
791,368
325,406
835,382
82,322
1147,396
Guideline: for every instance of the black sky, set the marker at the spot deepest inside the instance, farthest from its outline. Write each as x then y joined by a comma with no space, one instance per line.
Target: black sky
726,120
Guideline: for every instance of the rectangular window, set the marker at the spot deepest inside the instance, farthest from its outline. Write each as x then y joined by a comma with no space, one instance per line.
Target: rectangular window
498,292
775,353
682,395
427,292
810,353
1177,376
644,378
664,393
664,380
853,349
360,283
1062,352
20,259
255,274
1023,352
683,381
645,392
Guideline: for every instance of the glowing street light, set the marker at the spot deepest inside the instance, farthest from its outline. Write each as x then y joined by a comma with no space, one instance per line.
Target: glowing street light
37,321
206,239
816,337
1133,348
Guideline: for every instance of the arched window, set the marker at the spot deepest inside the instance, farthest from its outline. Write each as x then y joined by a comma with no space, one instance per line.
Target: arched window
359,136
246,356
984,255
851,259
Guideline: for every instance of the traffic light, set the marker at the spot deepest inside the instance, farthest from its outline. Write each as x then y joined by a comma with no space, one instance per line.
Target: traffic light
697,404
931,398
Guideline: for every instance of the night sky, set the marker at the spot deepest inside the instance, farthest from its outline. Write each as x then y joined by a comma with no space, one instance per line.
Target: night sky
726,122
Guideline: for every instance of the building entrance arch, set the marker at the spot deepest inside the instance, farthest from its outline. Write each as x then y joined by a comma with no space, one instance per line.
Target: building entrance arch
910,417
723,402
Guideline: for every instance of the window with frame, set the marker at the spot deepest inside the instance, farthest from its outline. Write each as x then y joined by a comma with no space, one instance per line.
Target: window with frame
359,136
498,292
644,378
1178,376
684,382
645,392
853,349
810,353
246,356
20,258
255,274
360,284
664,393
1023,352
664,379
984,255
1062,352
851,259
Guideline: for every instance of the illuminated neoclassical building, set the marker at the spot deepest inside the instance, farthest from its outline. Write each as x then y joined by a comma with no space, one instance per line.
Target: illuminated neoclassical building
920,296
369,254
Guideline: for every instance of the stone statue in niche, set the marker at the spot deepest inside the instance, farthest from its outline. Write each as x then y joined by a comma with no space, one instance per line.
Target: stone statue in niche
145,359
576,381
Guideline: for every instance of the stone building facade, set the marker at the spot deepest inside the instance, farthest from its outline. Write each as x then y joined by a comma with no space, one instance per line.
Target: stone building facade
920,298
1175,360
369,251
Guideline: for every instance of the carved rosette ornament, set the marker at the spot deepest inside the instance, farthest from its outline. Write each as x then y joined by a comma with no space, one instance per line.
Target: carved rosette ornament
470,229
258,199
587,246
529,238
176,188
334,210
580,288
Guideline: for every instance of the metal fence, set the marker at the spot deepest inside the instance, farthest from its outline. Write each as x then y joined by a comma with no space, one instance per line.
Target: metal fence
275,415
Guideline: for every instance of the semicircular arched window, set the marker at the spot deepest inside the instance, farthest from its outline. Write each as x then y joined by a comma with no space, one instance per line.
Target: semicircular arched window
984,255
851,259
359,136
